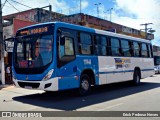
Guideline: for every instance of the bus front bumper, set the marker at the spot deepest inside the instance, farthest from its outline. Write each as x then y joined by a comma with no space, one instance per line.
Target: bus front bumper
47,85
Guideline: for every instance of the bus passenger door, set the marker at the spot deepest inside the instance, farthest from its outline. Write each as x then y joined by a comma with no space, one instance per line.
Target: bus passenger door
66,65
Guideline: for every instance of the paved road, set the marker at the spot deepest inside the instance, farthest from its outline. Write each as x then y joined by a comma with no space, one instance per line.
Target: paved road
114,97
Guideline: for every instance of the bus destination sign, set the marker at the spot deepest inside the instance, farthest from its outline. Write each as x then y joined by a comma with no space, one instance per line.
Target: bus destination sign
34,31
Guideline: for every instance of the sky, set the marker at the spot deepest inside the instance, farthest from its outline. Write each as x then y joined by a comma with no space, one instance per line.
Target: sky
130,13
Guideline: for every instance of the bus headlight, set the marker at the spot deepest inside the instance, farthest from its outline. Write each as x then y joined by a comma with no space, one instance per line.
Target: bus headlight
48,75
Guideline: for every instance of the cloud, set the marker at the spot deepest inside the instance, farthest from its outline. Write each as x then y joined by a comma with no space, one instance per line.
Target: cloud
76,8
141,8
84,4
144,11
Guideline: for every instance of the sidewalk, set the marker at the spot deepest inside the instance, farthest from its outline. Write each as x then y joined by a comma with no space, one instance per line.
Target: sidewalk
5,86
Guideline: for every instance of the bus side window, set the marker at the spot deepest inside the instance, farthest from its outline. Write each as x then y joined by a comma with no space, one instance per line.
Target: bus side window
125,45
149,51
100,45
144,51
66,51
131,48
85,43
109,46
136,47
115,47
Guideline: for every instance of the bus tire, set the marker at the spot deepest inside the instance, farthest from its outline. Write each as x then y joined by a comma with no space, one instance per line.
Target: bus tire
136,77
85,85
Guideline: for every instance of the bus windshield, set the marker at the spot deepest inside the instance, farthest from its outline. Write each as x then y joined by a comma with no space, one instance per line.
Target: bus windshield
33,51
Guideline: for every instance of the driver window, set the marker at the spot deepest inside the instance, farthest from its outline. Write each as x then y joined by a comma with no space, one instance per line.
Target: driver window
66,51
67,48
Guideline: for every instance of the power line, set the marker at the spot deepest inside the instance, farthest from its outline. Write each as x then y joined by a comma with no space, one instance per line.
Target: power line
21,3
13,6
4,4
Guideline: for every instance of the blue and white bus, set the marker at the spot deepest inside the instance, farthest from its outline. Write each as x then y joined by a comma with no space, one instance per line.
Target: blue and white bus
58,56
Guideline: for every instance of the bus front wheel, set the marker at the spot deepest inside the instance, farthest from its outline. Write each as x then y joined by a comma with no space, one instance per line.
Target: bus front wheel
136,77
85,85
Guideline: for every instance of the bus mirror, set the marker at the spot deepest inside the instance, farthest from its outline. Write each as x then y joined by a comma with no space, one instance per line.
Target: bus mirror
62,41
59,32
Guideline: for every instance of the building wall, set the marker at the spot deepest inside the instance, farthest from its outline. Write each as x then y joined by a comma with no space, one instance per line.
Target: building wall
33,15
94,22
8,31
17,23
27,16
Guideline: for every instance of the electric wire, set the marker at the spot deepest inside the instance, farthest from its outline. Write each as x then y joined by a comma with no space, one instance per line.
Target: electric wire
13,6
21,3
4,4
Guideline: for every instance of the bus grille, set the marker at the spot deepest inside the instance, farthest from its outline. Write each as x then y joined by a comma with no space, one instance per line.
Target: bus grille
33,85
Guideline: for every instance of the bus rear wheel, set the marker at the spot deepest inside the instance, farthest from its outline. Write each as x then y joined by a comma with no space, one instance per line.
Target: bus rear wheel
85,85
136,77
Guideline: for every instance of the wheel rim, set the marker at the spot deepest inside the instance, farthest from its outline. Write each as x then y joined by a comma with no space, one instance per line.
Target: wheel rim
85,85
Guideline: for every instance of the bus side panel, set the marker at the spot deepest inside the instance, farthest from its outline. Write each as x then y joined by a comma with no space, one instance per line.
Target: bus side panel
110,70
67,76
147,67
119,69
88,63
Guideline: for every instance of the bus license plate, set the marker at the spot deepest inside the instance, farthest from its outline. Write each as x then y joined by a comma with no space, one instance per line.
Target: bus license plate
28,87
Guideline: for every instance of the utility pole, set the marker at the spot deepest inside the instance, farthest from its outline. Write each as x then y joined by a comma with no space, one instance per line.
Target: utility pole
1,45
105,16
110,11
50,11
146,29
80,6
97,8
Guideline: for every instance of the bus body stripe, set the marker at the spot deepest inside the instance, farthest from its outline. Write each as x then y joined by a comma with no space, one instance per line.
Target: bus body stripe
110,72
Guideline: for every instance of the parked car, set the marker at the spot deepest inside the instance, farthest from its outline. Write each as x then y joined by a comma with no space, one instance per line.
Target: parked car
157,69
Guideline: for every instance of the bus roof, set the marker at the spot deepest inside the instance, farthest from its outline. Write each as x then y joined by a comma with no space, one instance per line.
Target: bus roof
86,29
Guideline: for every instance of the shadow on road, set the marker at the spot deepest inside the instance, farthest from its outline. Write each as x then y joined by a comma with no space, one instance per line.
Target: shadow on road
70,100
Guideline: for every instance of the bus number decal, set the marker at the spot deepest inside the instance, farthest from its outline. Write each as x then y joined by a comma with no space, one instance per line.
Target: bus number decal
87,61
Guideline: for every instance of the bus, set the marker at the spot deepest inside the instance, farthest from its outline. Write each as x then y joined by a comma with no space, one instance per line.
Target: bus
157,64
79,57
